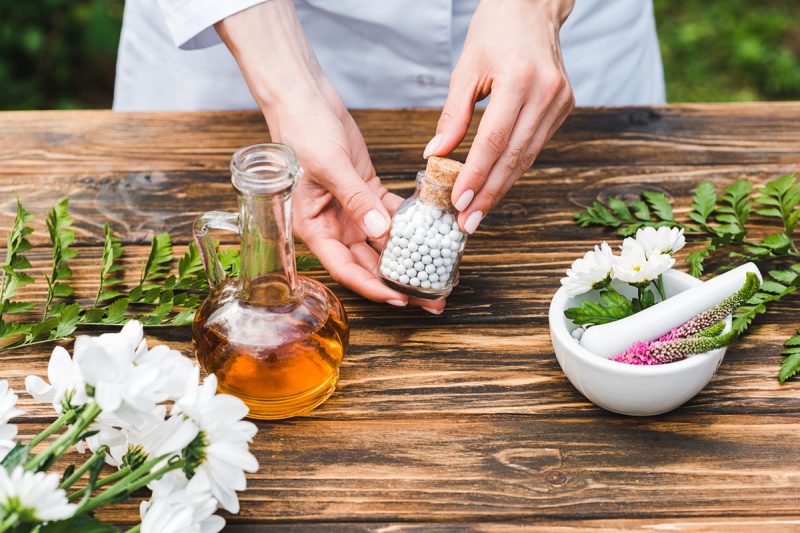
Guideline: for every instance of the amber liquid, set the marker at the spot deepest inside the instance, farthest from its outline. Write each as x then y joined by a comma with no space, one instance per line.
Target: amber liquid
281,360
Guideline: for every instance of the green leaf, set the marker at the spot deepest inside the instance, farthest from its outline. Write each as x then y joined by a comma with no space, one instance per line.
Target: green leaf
791,364
68,320
16,244
159,260
82,523
613,307
16,456
112,251
704,202
783,196
190,263
659,203
15,308
115,313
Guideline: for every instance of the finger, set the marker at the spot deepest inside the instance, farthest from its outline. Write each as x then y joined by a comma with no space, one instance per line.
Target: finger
361,203
455,118
490,142
516,161
368,258
345,269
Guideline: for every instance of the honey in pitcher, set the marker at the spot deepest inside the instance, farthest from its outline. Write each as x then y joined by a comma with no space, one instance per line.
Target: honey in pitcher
280,360
272,338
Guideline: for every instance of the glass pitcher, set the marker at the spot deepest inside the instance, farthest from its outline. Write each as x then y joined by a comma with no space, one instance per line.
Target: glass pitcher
273,338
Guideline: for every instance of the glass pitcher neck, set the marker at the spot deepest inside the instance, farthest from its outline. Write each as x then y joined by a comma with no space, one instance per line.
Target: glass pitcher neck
264,175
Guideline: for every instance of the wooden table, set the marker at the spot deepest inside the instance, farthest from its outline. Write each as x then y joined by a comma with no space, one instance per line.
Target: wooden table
462,420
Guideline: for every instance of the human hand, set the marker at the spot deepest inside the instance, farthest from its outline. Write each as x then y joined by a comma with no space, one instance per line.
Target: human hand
341,209
512,51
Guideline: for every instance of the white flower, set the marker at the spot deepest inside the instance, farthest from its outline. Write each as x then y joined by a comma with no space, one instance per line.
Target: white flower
179,505
120,387
8,410
663,240
66,382
634,267
175,371
221,447
589,271
33,495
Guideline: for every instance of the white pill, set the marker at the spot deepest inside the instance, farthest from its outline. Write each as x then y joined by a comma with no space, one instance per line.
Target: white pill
446,241
394,275
455,246
403,279
396,251
430,269
431,242
422,276
414,282
419,266
416,256
444,229
411,273
386,271
413,246
433,276
436,285
441,270
436,212
446,253
424,248
455,235
402,243
408,263
435,252
426,259
395,231
438,261
447,218
408,231
418,219
417,238
425,284
400,269
405,253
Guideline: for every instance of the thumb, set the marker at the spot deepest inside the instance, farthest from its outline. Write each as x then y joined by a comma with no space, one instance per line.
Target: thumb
362,205
454,121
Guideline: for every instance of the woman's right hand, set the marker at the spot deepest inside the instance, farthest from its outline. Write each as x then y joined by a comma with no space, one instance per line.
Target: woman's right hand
341,209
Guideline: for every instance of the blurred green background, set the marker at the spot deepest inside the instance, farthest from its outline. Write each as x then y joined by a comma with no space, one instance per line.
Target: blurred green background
57,54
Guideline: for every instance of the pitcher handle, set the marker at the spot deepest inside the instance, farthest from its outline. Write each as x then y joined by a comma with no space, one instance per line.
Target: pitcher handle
218,220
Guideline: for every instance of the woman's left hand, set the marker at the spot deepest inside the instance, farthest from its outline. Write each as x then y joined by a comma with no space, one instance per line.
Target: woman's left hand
512,51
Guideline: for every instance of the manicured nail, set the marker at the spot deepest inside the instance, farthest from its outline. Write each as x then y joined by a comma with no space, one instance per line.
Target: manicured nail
396,303
432,145
472,222
375,223
433,310
464,200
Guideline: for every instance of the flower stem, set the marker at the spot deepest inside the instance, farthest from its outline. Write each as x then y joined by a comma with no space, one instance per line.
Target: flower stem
99,455
659,283
43,460
135,529
133,481
111,478
10,522
60,422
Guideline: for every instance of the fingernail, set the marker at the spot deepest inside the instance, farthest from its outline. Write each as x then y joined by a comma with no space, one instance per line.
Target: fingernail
431,146
375,223
464,200
396,303
472,222
433,310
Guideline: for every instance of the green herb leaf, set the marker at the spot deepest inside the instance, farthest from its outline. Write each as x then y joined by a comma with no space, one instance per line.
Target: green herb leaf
659,203
791,364
613,307
12,279
782,195
704,203
159,260
109,268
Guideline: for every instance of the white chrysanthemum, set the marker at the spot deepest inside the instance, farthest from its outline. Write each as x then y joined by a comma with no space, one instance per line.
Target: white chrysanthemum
175,370
128,391
663,240
221,447
33,496
8,410
589,271
179,505
66,382
133,445
633,265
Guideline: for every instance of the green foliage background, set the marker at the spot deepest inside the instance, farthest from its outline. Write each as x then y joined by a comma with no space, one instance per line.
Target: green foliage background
57,54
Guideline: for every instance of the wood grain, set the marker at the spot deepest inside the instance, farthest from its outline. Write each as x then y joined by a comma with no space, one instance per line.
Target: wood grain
464,421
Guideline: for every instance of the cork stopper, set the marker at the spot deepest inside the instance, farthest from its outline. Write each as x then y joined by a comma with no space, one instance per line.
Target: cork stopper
437,185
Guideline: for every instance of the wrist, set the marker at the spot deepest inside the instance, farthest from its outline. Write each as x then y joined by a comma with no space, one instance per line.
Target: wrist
273,54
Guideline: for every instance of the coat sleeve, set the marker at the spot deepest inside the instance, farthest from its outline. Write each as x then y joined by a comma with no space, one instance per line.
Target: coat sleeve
191,22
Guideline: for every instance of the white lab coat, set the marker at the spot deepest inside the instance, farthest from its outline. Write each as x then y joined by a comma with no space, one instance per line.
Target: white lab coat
377,53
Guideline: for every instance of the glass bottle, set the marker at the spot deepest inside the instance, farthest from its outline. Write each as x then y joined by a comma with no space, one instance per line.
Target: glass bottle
273,338
424,250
